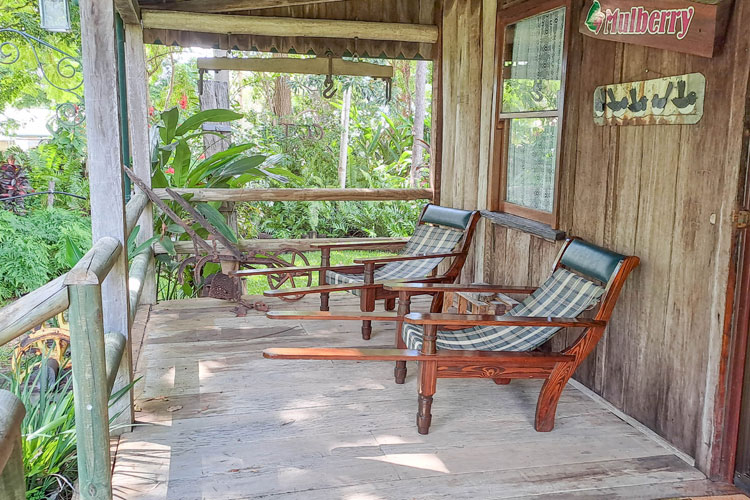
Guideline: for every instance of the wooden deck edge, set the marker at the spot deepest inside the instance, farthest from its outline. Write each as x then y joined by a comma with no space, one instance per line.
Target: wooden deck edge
653,436
138,333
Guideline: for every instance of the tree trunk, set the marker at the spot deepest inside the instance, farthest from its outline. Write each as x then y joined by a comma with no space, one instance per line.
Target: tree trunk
418,130
216,96
344,143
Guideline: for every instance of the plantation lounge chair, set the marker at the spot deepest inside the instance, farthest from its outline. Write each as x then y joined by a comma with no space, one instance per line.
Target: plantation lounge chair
505,347
442,233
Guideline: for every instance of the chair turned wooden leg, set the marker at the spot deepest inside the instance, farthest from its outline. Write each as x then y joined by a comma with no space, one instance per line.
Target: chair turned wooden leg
502,381
427,387
546,406
324,301
399,373
390,304
424,417
366,329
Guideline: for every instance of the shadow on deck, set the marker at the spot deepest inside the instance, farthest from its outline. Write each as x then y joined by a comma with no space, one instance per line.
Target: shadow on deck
221,422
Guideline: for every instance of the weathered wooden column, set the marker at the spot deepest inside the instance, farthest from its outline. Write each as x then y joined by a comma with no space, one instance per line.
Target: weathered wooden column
105,174
140,144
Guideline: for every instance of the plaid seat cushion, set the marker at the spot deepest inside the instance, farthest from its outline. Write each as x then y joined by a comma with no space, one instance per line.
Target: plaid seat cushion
564,295
426,239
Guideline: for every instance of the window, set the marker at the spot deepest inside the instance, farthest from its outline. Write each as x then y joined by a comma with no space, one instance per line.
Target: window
529,119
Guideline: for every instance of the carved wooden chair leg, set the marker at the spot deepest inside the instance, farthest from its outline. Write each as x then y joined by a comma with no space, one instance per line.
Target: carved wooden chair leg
427,387
324,301
502,381
390,304
552,389
404,307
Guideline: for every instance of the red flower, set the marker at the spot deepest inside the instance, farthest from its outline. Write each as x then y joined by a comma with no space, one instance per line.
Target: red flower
183,101
170,170
202,157
151,111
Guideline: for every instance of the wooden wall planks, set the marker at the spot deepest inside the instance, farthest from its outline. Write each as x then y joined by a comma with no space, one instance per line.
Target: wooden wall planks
649,191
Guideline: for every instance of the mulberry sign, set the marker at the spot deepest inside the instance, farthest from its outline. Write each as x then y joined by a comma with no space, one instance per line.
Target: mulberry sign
693,27
675,100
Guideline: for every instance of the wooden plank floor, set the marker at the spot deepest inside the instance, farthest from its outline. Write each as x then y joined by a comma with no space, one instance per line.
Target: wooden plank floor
221,423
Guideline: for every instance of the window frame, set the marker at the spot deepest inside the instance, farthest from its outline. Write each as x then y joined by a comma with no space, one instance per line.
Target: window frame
501,126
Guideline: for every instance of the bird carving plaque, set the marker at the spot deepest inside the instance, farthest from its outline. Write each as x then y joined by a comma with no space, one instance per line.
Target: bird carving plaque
674,100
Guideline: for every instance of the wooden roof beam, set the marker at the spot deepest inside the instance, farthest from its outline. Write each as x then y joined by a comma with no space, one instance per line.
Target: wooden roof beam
214,6
129,11
317,66
288,26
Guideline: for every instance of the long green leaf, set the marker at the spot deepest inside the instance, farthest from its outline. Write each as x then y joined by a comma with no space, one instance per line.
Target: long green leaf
215,218
199,171
169,118
209,115
181,163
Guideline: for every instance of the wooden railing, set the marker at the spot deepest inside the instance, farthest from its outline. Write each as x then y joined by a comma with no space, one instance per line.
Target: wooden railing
96,358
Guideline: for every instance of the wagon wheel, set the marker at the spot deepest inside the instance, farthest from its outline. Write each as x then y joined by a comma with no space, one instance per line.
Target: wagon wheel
288,257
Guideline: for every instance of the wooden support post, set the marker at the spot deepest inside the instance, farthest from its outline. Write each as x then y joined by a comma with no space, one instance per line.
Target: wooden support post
12,480
101,97
90,391
325,260
367,299
140,147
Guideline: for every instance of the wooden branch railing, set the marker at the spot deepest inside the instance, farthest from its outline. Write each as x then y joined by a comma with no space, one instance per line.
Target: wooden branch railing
96,359
291,194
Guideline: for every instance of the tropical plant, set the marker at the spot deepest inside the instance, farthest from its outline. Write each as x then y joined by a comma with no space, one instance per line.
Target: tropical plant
14,182
180,162
36,248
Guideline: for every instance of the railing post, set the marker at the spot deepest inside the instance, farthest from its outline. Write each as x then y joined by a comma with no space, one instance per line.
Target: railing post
90,381
12,480
90,391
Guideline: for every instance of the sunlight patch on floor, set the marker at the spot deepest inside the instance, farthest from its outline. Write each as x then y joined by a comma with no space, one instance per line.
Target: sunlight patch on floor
424,461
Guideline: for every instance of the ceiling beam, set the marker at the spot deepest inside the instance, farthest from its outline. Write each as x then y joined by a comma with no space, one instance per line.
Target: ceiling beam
317,66
213,6
129,11
288,26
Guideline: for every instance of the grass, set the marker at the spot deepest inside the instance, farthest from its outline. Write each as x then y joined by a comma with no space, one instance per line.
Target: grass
257,285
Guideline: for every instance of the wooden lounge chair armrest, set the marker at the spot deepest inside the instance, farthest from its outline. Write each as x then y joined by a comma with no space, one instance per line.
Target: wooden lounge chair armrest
450,287
344,287
352,245
338,315
369,354
356,269
490,320
400,258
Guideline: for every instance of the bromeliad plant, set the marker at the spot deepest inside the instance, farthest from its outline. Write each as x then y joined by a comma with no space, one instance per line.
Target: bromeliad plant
180,162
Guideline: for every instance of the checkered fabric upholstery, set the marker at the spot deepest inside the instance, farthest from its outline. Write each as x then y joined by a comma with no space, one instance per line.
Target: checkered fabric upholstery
426,239
563,295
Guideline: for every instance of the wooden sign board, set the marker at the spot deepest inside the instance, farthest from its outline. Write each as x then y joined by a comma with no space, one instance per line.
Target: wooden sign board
691,26
675,100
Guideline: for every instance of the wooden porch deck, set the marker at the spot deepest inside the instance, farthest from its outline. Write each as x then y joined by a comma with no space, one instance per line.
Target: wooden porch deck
221,423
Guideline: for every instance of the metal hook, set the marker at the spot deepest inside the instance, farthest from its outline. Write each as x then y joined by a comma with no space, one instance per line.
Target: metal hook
328,90
355,56
388,89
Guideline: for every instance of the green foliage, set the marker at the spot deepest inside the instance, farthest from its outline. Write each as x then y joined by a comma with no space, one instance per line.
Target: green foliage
37,248
20,85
